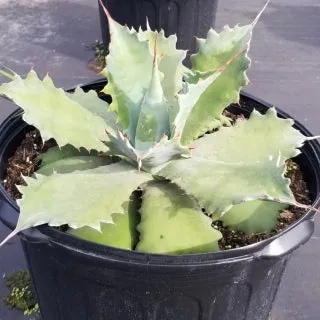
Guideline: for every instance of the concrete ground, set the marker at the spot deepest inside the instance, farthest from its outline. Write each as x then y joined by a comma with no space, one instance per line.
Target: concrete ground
52,35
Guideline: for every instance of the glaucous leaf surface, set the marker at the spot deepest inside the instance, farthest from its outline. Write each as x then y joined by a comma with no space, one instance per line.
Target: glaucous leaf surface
55,114
173,223
80,198
253,216
240,163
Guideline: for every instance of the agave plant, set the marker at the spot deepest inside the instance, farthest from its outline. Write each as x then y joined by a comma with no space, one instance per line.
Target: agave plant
160,108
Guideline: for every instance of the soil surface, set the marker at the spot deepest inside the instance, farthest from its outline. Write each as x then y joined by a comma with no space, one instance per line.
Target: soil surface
25,162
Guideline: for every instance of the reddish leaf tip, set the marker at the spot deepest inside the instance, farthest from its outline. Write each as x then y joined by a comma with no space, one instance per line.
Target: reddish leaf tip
105,10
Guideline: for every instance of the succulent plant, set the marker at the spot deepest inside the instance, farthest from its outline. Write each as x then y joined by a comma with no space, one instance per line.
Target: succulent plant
164,134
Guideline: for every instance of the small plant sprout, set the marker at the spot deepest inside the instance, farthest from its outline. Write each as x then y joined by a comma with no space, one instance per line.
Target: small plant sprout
153,170
21,295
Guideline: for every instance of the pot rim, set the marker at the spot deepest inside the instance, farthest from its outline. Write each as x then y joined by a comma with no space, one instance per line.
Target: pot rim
58,238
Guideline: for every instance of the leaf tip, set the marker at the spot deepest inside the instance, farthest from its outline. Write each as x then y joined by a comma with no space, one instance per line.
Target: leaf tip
10,236
147,24
306,207
254,22
105,10
139,160
312,138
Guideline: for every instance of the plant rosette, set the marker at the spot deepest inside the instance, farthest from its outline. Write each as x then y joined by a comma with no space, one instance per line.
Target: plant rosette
166,128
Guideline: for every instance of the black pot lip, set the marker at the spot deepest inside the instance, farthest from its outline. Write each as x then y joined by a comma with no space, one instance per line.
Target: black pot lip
61,239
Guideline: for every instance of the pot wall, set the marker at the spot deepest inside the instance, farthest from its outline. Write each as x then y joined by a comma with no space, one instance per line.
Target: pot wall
73,285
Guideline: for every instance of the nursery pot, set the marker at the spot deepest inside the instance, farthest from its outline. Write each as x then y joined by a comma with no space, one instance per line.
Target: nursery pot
186,18
78,280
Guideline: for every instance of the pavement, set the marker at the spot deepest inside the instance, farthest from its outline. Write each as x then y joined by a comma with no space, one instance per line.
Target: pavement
51,36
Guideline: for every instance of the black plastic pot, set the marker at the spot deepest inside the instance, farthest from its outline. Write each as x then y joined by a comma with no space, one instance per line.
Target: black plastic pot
186,18
79,280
